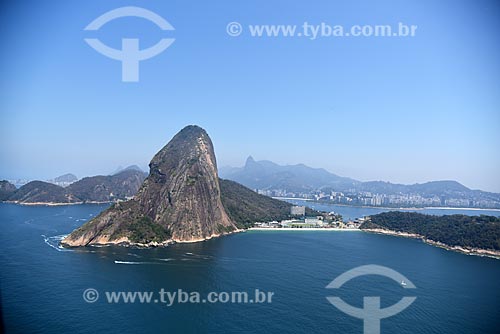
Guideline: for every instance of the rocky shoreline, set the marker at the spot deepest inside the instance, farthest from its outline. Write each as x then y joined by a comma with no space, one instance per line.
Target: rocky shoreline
56,203
127,243
464,250
323,229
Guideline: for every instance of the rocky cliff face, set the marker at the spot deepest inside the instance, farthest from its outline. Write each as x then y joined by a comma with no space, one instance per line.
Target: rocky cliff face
180,200
6,190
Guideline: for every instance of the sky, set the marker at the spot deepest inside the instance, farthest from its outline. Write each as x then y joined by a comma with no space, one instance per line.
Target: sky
398,109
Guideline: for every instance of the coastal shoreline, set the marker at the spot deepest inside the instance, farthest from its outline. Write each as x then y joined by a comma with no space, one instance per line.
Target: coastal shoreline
301,229
464,250
125,242
280,198
56,203
452,208
388,207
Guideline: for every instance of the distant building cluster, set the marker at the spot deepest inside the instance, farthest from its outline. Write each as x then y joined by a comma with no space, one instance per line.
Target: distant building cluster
309,222
62,181
385,200
325,220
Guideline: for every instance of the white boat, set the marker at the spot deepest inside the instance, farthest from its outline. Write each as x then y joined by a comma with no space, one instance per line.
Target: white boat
403,283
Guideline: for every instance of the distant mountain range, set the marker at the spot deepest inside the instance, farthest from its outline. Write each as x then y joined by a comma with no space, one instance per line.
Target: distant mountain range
295,178
268,178
432,188
68,178
131,167
300,180
64,180
101,188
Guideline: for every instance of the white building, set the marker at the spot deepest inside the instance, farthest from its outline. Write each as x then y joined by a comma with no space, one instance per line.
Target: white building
298,210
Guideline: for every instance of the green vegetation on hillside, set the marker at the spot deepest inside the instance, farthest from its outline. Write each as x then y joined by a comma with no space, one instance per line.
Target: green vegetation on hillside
38,191
103,188
453,230
245,207
144,230
99,188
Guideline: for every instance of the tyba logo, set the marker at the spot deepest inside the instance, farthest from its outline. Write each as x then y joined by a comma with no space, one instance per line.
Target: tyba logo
130,55
371,313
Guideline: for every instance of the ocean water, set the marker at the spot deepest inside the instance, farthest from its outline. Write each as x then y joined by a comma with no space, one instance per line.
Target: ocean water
42,285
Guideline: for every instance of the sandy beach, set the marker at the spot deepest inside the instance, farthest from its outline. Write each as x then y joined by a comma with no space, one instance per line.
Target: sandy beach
302,229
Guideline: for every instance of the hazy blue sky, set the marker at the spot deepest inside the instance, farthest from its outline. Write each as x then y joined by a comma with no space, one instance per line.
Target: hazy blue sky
397,109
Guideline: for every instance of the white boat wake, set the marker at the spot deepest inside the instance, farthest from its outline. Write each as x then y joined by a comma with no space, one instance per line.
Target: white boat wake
55,242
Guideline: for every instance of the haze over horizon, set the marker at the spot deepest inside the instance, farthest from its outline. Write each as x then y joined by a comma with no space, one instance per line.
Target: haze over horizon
144,167
403,110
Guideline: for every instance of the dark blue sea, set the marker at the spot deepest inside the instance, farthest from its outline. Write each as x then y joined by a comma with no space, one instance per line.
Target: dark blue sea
42,285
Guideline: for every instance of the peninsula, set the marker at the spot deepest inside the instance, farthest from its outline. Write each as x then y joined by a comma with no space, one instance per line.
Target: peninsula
473,235
181,200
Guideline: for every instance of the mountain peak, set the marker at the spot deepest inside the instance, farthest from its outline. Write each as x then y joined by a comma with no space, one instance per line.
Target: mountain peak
190,132
187,147
66,178
250,160
180,200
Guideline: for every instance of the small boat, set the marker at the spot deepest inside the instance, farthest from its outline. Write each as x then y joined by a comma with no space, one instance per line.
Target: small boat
403,283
